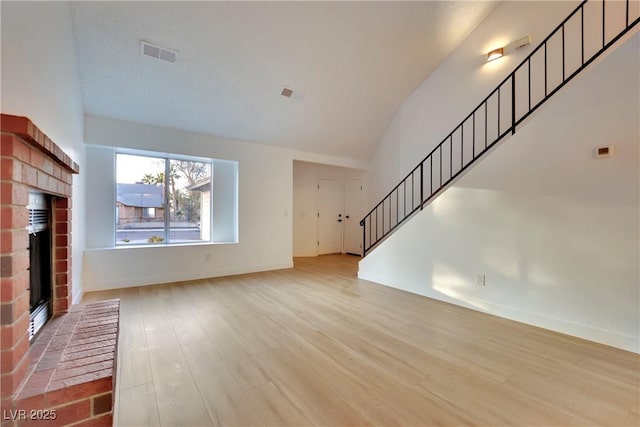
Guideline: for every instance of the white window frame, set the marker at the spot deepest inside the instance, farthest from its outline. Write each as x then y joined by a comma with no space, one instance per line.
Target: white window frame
167,157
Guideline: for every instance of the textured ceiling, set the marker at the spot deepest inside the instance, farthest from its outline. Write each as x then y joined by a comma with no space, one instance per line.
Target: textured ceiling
350,64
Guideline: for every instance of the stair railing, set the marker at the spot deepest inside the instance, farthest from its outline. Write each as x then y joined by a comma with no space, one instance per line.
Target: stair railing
561,56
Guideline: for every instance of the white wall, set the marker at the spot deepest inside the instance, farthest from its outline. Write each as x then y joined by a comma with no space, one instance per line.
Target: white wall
40,81
561,264
265,177
225,201
554,229
456,87
305,202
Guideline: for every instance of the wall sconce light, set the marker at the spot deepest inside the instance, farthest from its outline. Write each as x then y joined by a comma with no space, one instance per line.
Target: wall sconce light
495,54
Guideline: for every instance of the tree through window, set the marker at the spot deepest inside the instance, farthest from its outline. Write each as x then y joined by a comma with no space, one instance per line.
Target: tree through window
162,200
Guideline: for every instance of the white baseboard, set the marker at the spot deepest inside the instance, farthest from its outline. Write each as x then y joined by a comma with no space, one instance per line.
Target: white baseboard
103,285
76,297
565,326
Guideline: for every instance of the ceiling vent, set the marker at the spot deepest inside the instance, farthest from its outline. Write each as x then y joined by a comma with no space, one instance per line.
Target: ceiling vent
286,92
157,52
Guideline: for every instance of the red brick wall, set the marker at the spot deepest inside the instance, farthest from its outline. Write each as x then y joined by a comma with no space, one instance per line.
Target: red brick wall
29,160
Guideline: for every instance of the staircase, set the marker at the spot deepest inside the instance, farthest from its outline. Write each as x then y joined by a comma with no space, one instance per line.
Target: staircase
570,48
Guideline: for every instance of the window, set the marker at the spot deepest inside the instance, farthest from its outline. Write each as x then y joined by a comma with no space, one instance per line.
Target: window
163,200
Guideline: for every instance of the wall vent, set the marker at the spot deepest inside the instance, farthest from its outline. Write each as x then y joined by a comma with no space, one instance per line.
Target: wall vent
286,92
158,52
604,151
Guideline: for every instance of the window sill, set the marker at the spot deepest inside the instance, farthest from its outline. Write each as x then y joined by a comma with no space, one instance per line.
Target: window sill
169,245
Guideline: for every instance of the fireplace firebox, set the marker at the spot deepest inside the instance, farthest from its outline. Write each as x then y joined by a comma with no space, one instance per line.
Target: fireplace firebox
40,261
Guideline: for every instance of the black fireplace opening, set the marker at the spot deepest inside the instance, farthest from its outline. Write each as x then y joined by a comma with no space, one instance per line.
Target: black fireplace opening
40,278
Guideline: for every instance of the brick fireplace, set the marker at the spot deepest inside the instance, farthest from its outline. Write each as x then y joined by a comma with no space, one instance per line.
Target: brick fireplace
29,161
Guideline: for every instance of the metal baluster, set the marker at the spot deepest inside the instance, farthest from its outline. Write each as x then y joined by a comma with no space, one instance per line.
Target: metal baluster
451,156
390,215
461,145
404,200
563,53
486,124
413,192
499,111
529,67
421,184
603,24
545,69
431,176
364,237
396,191
582,32
473,141
376,224
513,103
441,165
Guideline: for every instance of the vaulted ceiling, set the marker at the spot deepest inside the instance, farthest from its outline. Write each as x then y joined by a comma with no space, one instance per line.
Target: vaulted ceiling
350,65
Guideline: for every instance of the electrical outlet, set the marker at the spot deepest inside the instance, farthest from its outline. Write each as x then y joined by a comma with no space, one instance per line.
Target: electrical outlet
480,280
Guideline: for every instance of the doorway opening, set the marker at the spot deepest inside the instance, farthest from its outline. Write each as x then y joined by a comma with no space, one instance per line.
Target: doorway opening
327,209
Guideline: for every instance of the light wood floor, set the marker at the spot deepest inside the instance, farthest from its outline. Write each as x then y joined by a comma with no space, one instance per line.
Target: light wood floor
316,346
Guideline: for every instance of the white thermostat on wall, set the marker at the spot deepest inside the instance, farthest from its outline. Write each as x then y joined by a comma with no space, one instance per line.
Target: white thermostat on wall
605,151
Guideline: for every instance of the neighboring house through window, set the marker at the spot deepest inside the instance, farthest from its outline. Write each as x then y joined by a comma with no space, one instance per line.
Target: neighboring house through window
139,202
155,203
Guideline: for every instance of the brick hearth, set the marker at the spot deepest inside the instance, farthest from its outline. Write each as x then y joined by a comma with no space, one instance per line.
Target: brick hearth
72,374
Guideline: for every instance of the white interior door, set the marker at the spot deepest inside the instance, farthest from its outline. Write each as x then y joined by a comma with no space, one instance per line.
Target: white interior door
330,216
352,216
